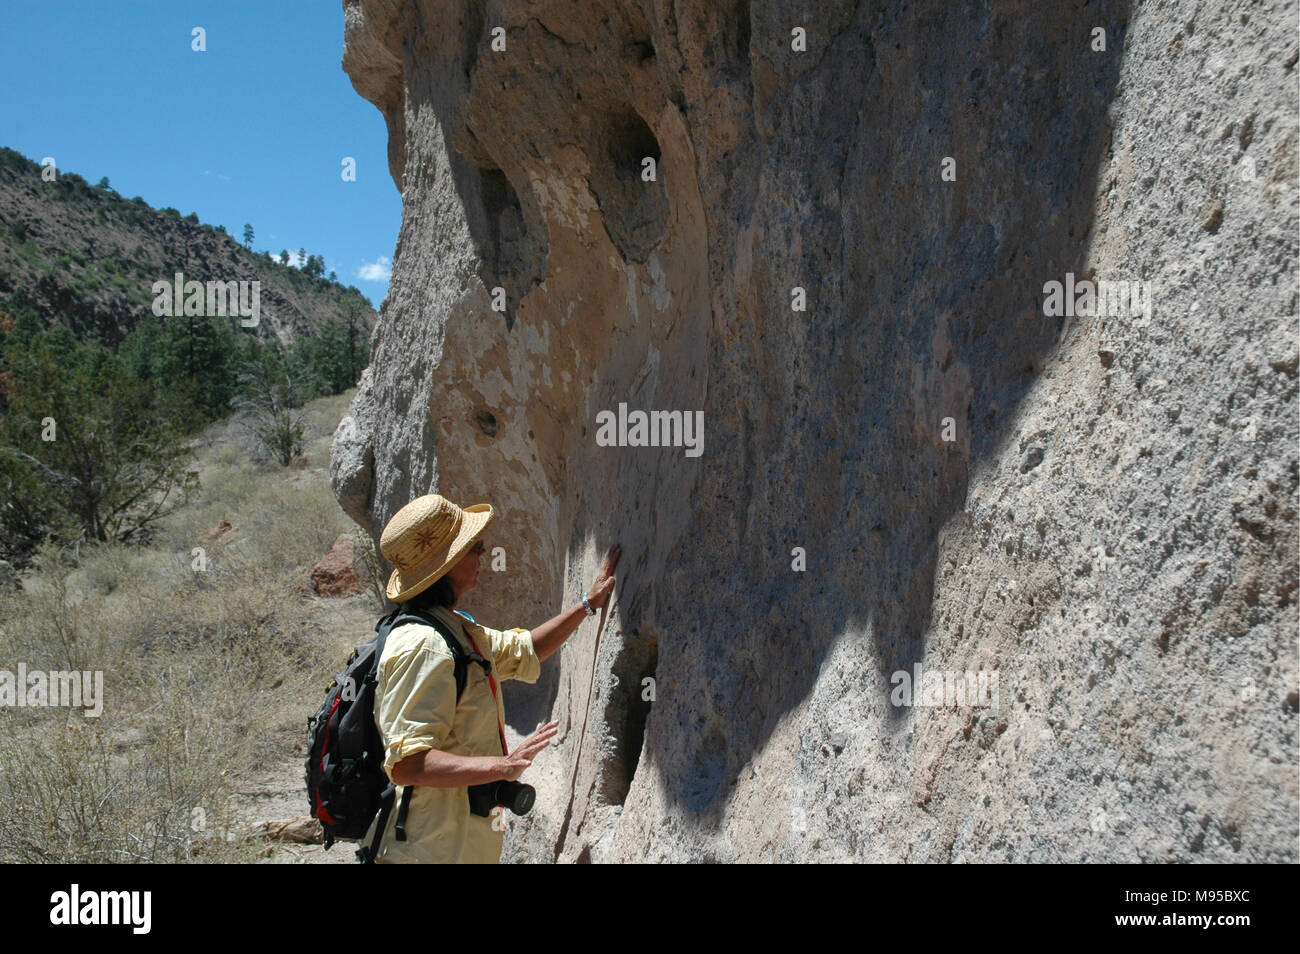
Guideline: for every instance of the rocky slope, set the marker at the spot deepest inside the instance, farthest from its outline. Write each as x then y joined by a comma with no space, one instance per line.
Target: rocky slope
85,256
1101,509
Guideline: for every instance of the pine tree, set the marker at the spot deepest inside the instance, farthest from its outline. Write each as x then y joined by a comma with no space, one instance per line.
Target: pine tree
193,362
117,460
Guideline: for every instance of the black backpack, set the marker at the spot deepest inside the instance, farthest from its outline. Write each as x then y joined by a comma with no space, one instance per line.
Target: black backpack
346,782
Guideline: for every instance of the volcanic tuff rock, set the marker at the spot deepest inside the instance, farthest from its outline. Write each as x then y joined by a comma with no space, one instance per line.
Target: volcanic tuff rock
1107,520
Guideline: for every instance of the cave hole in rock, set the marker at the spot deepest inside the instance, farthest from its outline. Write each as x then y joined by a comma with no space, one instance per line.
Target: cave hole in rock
631,140
736,33
487,422
473,36
740,31
642,50
727,50
635,210
626,713
510,256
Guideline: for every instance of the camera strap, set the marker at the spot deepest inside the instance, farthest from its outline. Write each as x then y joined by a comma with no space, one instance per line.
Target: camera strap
492,684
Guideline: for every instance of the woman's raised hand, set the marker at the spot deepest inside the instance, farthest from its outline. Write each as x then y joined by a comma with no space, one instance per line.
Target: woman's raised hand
598,595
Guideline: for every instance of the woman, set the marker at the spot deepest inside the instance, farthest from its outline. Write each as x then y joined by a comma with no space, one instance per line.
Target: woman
433,743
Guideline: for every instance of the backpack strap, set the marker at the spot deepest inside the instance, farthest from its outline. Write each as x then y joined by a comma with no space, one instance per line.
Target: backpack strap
399,830
367,855
460,656
383,628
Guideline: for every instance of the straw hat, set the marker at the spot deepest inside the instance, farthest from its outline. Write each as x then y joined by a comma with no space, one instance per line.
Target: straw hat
425,539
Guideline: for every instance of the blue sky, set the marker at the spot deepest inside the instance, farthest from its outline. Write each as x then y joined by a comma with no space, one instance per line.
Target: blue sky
255,129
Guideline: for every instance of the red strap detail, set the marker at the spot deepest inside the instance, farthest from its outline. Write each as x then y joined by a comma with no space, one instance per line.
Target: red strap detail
492,684
322,812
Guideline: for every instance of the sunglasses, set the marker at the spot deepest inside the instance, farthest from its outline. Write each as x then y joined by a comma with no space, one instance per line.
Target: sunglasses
477,548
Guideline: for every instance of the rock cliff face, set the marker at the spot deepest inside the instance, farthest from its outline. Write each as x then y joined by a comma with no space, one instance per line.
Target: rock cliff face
911,457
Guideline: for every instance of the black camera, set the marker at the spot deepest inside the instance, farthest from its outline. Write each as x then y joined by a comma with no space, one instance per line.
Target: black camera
515,796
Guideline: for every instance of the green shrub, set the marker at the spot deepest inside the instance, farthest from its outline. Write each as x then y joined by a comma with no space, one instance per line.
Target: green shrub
118,460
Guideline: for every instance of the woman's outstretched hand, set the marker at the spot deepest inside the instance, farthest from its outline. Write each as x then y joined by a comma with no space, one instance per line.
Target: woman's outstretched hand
598,595
513,765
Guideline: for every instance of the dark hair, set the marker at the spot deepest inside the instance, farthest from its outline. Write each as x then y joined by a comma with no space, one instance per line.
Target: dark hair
440,593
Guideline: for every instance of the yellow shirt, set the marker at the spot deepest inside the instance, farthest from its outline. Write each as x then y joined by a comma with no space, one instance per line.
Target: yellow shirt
416,709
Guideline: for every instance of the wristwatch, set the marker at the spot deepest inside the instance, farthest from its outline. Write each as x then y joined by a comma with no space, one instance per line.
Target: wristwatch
587,606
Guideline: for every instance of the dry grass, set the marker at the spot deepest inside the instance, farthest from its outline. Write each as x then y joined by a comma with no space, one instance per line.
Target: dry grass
209,676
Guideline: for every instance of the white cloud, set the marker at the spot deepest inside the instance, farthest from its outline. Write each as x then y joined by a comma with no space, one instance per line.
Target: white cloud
378,271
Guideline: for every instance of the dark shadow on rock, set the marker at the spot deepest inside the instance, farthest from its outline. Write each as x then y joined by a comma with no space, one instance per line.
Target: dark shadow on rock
896,261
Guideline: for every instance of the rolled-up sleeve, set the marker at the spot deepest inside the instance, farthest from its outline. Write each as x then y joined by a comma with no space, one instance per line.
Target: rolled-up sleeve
513,655
417,704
